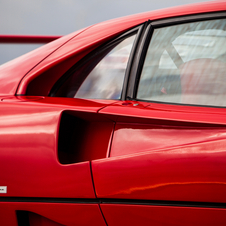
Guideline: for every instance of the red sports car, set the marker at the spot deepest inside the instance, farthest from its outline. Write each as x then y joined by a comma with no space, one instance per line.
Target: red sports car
121,123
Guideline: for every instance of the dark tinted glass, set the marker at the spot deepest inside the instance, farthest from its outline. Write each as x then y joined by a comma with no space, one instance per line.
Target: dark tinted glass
102,77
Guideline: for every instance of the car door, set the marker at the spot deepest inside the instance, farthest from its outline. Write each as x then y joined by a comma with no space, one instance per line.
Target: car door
166,165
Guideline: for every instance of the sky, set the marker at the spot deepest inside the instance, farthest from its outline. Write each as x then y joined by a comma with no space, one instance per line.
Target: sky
61,17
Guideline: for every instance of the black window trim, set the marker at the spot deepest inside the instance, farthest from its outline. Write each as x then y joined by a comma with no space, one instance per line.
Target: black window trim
188,19
137,61
133,62
146,39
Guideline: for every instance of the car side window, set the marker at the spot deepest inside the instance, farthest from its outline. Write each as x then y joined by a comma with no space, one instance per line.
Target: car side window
186,64
103,75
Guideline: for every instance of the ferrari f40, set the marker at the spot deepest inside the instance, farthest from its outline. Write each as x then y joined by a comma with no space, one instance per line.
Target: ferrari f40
120,123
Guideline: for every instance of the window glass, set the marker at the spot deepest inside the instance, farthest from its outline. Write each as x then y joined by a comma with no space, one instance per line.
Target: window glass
186,64
102,77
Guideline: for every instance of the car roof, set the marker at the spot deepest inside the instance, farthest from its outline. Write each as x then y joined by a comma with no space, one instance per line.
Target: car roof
17,74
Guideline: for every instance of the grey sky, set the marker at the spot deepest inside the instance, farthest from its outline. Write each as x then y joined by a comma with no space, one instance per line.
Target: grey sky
60,17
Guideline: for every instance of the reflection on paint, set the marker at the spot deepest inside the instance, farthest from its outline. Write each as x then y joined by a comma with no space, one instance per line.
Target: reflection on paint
149,187
131,139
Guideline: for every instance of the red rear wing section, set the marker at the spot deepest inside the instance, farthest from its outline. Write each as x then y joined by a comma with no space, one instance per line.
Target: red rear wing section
27,39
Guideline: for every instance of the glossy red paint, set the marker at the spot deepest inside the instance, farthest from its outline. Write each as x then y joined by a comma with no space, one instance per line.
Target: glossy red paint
134,215
48,214
13,71
27,39
168,112
180,174
166,166
29,134
76,104
96,35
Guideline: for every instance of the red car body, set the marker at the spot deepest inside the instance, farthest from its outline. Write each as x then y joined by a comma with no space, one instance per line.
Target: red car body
129,161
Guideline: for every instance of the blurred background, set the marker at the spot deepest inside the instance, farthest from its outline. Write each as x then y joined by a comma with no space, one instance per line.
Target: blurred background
60,17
